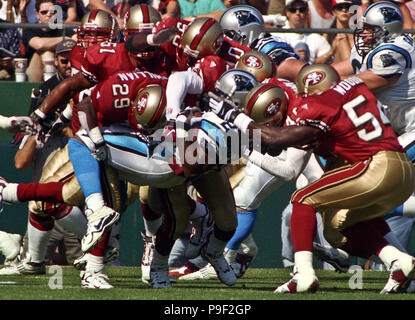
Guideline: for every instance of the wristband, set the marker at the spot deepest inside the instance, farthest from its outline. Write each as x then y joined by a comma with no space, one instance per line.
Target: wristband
67,113
40,114
150,40
242,122
96,136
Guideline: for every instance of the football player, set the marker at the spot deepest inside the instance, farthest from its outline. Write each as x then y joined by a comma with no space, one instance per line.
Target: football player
366,147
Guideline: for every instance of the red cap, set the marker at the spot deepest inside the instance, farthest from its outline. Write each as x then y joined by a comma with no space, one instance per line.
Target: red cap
336,2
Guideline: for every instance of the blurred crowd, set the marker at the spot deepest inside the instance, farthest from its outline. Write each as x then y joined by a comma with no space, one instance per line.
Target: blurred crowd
36,46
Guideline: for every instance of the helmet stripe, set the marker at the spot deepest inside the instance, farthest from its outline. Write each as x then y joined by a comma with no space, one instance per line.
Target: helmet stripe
255,97
145,13
93,15
160,110
202,31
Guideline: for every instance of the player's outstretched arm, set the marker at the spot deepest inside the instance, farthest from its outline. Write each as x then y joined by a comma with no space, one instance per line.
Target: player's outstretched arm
61,94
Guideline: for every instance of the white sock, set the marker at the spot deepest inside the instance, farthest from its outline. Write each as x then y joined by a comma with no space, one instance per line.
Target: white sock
152,226
199,211
37,243
75,222
95,201
304,261
10,193
94,264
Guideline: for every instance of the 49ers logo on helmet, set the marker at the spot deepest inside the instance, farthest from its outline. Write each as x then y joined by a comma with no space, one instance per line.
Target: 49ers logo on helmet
273,108
253,62
142,103
314,78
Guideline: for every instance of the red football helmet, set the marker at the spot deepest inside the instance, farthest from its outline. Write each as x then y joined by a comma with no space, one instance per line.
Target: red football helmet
97,26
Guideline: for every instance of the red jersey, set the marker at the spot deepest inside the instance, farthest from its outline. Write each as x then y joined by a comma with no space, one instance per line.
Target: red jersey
105,59
112,98
76,56
290,91
349,115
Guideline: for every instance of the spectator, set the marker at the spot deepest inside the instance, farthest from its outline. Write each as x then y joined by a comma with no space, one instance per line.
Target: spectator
341,43
408,22
319,49
193,8
320,14
9,48
276,7
69,10
41,43
411,7
28,11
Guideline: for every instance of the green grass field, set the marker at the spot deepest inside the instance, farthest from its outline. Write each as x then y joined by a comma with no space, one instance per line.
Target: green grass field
257,284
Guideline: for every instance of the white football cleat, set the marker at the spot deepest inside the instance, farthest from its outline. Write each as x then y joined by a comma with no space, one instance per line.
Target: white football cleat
300,282
241,264
338,258
92,280
202,227
182,271
147,257
205,273
400,276
99,222
24,267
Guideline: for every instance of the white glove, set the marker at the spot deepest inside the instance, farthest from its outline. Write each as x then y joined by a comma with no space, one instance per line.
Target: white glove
100,152
19,124
223,108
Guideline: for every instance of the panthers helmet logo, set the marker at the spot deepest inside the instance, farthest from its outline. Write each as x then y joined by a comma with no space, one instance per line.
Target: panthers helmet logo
245,17
390,15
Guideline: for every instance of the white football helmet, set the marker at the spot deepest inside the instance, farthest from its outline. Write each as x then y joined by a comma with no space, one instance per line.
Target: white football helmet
380,22
235,84
242,23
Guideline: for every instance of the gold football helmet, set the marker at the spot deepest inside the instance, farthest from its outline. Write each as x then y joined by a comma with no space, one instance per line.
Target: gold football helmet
315,79
257,63
266,102
203,37
140,17
97,26
148,110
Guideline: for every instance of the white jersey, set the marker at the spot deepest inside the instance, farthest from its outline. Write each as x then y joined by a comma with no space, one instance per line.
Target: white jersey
393,57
